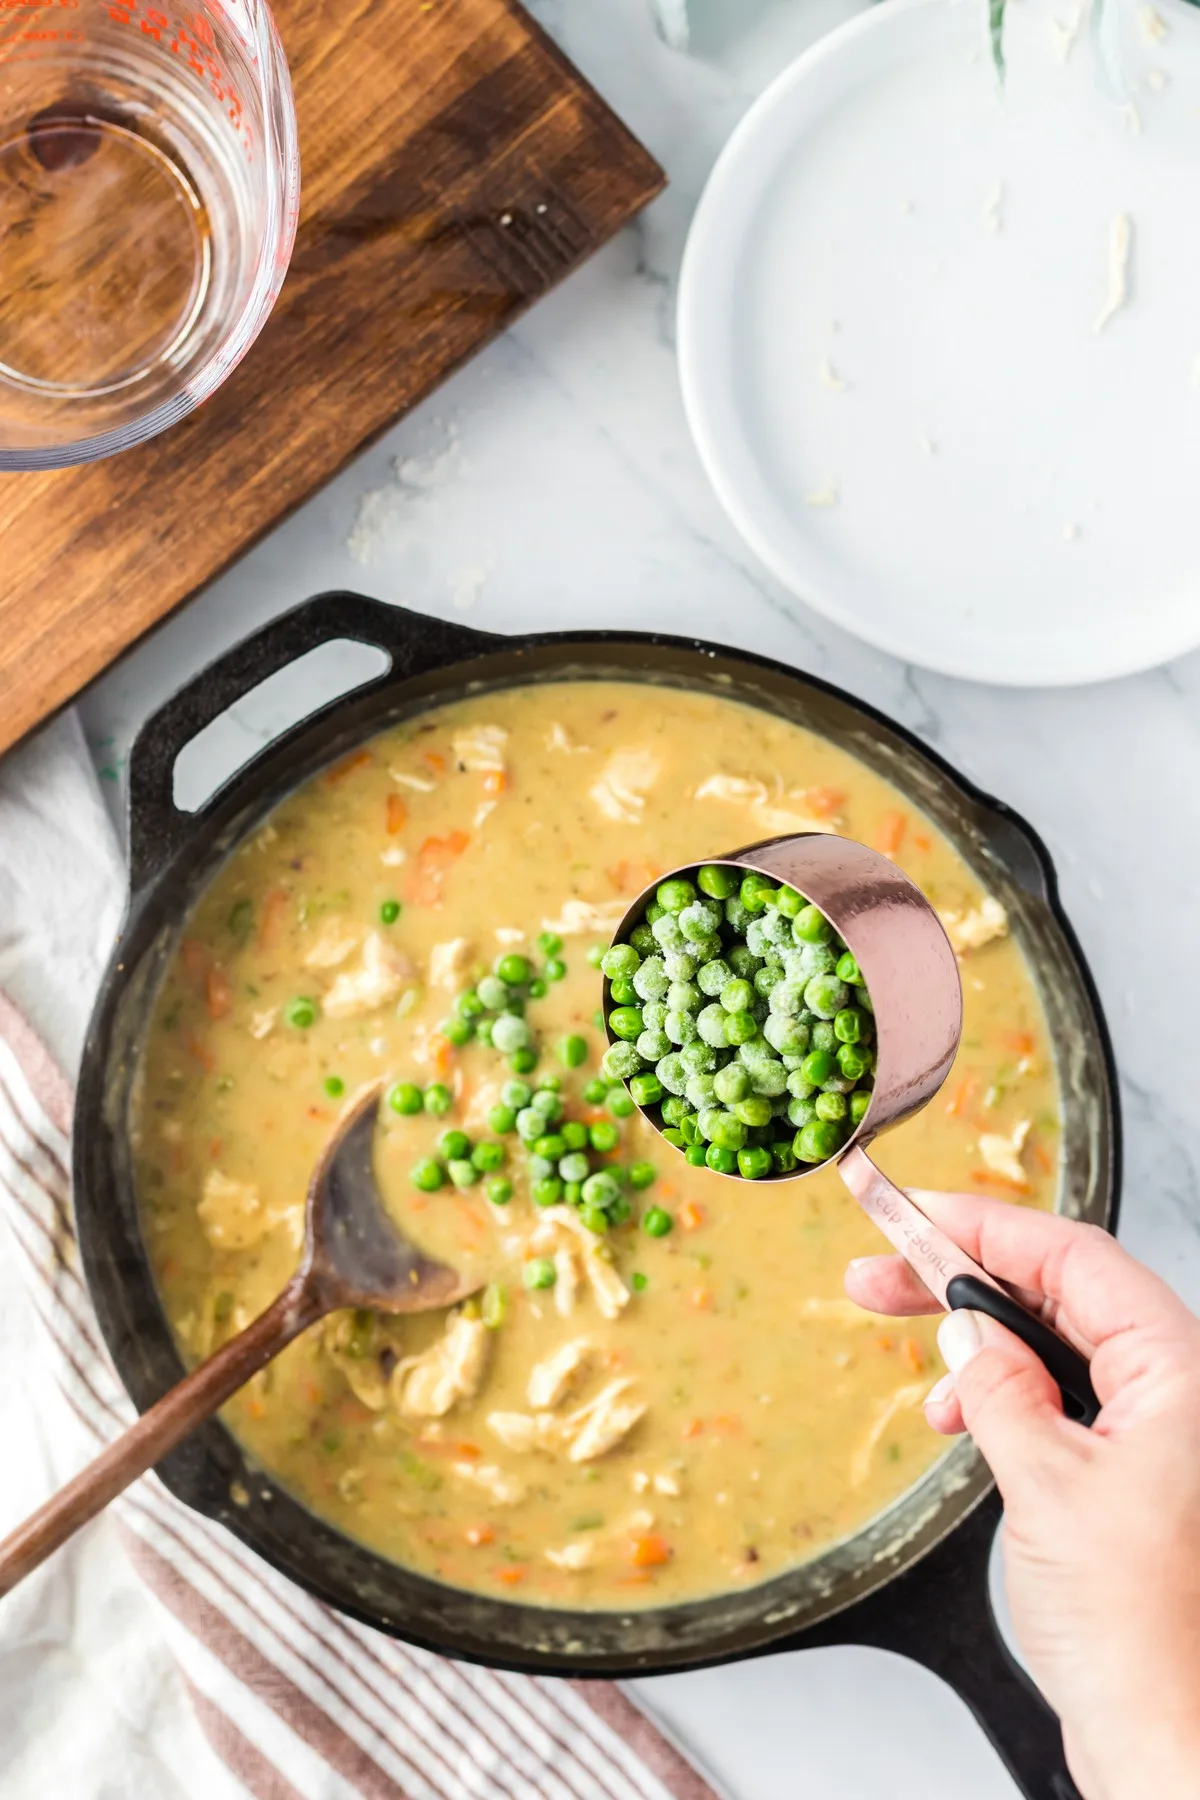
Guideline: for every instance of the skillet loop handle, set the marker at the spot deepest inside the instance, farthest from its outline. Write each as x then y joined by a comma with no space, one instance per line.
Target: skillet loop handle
158,829
1065,1365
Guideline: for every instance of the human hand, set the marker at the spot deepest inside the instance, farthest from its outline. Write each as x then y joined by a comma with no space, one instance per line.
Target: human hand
1101,1527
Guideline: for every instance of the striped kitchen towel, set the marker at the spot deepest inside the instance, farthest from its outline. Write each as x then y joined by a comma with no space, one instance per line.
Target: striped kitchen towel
298,1702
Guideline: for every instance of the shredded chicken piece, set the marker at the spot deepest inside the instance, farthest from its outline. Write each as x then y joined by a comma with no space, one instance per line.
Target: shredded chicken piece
611,1294
668,1485
576,1556
639,1481
262,1024
1003,1155
975,927
559,738
641,1520
500,1485
420,784
379,979
551,1379
621,787
911,1395
509,934
447,961
232,1212
771,819
600,1425
427,1386
579,916
335,941
481,748
525,1431
393,856
566,1284
1120,244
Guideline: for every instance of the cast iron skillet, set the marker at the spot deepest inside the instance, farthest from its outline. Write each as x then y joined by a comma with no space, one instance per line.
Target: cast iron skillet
913,1581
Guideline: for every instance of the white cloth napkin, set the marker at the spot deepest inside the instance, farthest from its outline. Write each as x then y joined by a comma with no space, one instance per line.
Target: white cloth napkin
156,1658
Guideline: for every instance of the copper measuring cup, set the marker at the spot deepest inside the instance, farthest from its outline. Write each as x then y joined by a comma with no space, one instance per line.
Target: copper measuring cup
911,974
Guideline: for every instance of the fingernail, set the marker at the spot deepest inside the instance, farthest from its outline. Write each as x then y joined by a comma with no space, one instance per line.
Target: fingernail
959,1340
859,1262
941,1390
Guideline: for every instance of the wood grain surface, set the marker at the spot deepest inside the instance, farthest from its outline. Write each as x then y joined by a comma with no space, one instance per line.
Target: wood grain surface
455,167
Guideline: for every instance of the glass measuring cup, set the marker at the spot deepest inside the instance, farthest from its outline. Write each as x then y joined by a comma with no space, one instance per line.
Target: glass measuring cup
149,186
911,974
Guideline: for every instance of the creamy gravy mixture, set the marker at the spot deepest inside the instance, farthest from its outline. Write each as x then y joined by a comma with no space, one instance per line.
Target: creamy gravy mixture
679,1415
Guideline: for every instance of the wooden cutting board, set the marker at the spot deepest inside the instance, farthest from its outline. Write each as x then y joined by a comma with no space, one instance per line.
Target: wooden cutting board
455,167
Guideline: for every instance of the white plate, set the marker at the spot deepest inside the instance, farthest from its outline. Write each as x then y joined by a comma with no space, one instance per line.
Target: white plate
1017,493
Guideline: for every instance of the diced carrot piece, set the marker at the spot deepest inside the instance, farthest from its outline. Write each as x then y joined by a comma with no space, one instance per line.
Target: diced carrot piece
397,814
914,1355
478,1535
641,1579
218,993
727,1424
495,782
347,766
311,1391
1043,1159
1019,1042
511,1574
256,1409
434,760
884,1342
271,924
691,1216
701,1298
891,832
434,859
200,1052
170,1268
215,1147
195,959
693,1428
649,1550
443,1058
317,1112
989,1178
961,1096
824,802
922,843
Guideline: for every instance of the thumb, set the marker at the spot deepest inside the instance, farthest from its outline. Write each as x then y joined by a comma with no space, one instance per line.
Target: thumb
1010,1403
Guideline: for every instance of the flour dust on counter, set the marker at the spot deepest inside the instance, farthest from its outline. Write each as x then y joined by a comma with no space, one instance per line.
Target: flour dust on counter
661,1391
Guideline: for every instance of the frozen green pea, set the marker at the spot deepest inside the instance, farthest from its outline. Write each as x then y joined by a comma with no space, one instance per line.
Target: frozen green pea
405,1098
712,1027
848,969
859,1102
698,1058
656,1222
554,969
712,976
673,895
801,1112
671,1073
742,961
708,1119
810,926
499,1189
825,995
673,1136
736,995
736,915
539,1273
653,1045
717,880
572,1051
766,977
623,993
701,1091
651,980
754,893
427,1175
822,1034
732,1083
789,902
654,1014
831,1106
601,1188
516,1094
754,1110
754,1162
674,1108
700,921
625,1022
788,1036
797,1085
510,1033
457,1031
722,1160
619,1103
769,1078
696,1156
783,1157
853,1061
818,1066
620,959
849,1025
438,1098
547,1102
488,1156
462,1172
453,1144
741,1028
817,1142
492,992
681,1027
603,1136
680,965
574,1166
646,1088
683,996
667,934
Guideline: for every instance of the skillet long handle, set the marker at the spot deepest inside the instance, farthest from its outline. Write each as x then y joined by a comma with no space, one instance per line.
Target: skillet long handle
158,1431
957,1280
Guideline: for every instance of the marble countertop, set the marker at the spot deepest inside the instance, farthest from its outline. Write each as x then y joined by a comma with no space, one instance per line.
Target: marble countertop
551,484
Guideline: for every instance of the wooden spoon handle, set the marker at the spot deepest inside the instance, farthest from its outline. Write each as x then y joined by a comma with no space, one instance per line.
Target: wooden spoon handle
157,1431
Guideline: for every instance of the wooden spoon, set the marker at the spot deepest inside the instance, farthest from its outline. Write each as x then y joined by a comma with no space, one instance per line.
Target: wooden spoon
353,1256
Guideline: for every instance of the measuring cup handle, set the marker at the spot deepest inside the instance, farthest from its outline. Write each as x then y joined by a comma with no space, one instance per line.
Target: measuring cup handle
1064,1364
414,643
